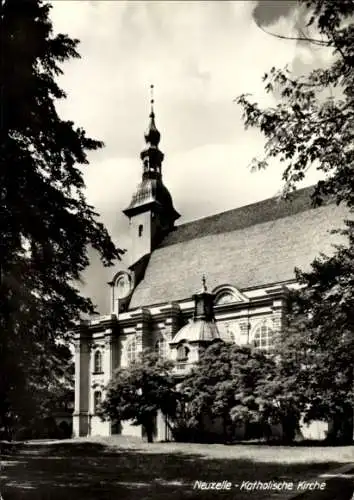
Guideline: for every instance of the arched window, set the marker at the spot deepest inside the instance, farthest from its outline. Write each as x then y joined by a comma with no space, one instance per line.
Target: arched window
229,331
182,353
97,400
98,362
225,298
227,294
160,347
140,230
131,351
264,337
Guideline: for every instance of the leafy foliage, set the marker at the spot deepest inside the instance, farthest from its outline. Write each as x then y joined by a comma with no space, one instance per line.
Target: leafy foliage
312,123
319,343
311,126
46,223
139,392
228,383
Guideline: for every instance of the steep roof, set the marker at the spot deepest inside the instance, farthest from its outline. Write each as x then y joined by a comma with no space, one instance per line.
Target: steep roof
254,245
242,217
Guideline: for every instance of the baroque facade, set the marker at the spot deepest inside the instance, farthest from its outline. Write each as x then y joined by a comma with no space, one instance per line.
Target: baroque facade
248,256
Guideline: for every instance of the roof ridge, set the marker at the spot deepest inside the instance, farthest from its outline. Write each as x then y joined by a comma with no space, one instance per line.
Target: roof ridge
241,207
241,217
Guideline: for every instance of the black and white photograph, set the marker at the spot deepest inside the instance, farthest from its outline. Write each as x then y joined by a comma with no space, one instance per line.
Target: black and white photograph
177,249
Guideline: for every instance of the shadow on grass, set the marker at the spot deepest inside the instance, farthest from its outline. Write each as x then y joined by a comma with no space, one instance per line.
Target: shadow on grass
304,443
93,471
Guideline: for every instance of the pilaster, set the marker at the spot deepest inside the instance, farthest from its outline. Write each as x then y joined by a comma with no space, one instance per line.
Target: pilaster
278,316
278,308
108,364
82,381
172,314
108,355
142,330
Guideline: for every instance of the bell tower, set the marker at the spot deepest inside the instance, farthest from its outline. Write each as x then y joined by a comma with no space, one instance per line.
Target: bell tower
151,212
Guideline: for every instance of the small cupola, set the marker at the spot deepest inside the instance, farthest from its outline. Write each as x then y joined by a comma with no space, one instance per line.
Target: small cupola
151,156
202,329
204,304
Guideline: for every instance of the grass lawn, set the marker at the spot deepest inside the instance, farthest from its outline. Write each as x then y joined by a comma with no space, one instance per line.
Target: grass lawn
122,468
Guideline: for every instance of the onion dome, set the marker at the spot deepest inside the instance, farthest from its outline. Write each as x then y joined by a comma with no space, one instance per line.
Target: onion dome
152,135
152,191
203,326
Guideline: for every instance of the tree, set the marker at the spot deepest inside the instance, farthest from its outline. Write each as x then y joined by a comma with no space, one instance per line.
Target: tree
284,401
46,223
47,394
312,123
139,392
319,343
311,126
227,384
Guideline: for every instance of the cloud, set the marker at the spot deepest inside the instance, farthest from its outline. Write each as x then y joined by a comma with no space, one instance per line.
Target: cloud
200,56
268,12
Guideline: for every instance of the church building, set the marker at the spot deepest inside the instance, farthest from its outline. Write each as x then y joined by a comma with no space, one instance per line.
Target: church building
160,300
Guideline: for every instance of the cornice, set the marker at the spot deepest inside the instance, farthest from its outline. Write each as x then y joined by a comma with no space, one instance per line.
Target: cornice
131,318
100,324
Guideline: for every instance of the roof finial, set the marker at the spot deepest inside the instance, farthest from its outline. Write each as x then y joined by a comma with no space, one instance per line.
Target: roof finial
152,100
204,287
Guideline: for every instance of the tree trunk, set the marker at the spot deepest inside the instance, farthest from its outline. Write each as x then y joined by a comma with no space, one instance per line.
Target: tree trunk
150,436
289,425
342,427
227,428
149,429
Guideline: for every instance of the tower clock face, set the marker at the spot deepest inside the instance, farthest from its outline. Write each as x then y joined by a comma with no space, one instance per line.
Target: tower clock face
123,286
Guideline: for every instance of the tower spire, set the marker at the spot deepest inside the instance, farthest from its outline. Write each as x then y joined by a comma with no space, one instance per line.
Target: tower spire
151,211
151,156
152,135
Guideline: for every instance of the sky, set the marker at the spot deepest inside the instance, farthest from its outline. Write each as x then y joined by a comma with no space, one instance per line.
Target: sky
200,56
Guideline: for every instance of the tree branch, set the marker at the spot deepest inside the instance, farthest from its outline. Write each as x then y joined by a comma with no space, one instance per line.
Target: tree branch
297,38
